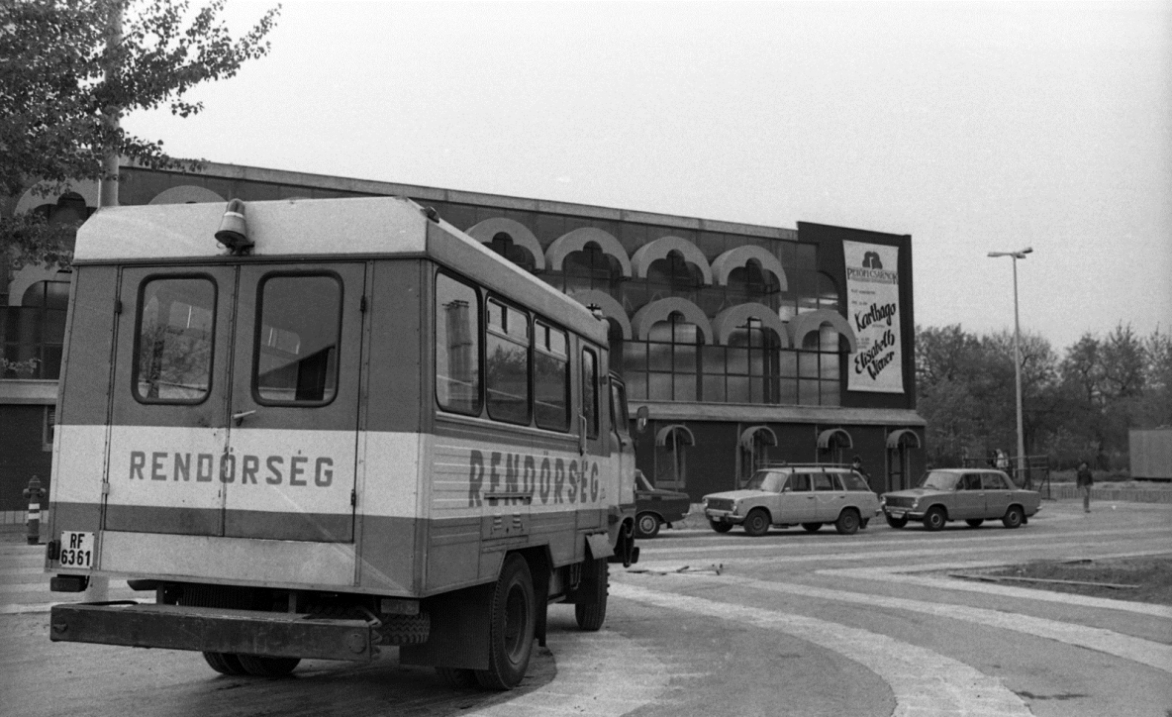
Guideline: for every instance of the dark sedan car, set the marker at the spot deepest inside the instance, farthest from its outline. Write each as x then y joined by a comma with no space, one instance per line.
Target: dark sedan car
973,495
656,506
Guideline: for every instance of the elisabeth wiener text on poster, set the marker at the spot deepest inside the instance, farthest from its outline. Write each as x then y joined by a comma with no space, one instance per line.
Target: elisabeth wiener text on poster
872,290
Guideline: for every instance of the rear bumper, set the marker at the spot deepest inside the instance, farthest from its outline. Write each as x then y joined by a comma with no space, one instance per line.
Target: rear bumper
203,629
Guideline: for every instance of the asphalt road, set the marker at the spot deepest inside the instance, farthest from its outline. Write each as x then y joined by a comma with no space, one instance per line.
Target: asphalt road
787,624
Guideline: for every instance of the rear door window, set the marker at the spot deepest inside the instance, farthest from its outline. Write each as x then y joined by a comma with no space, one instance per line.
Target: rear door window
826,481
299,333
800,483
176,325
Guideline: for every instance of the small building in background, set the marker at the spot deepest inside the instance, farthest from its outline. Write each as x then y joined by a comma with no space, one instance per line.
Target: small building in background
1151,453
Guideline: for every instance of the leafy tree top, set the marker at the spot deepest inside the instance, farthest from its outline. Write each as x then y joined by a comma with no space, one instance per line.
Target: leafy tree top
62,82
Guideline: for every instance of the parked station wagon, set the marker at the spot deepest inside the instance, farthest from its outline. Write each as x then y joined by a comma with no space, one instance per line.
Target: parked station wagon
806,495
970,494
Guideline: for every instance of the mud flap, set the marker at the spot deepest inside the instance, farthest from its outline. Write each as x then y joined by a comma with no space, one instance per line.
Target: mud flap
599,545
459,635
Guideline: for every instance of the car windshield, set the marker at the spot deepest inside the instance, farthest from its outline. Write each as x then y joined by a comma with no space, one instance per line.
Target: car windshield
641,482
766,480
940,480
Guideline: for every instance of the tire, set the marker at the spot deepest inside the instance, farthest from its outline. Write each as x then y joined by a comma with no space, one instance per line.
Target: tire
646,525
975,522
720,527
590,616
225,663
896,522
812,527
935,519
512,623
1014,517
457,677
847,523
757,522
259,666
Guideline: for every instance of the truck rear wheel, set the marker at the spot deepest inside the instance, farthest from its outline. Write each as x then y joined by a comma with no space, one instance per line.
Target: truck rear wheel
225,663
457,676
590,616
512,623
260,666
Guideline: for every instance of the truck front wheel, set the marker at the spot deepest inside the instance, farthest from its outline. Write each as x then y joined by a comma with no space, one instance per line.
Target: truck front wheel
512,623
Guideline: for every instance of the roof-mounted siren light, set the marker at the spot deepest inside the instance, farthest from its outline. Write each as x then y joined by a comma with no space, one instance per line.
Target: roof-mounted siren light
233,232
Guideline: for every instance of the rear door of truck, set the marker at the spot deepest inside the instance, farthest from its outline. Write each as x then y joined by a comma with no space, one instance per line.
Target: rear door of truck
235,404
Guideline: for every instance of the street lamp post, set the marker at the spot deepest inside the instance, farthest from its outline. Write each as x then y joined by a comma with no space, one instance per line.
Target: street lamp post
1017,355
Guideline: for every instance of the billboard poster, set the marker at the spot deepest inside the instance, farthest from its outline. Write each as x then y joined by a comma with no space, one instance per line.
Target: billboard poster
872,295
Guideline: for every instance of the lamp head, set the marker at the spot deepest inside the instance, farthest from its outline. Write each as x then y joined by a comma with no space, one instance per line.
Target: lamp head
233,232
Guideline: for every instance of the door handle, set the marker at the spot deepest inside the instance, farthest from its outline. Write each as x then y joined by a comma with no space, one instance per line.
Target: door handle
238,418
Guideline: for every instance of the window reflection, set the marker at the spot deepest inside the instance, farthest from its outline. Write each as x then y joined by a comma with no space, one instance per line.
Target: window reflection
298,338
175,335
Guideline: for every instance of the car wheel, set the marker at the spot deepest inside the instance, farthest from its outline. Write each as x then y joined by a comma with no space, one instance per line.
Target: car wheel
812,527
757,522
975,522
646,525
847,523
935,519
896,522
1013,517
719,526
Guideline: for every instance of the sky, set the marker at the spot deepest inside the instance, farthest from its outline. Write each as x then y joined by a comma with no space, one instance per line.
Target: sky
972,126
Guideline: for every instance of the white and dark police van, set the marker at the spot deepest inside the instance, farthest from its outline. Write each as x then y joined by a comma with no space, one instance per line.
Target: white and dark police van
313,428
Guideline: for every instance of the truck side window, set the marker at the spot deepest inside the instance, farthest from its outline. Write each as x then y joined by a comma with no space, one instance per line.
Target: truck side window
551,378
619,419
506,363
590,392
176,326
457,346
298,335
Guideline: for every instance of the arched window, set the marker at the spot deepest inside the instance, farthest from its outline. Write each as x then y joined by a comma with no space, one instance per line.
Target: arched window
590,268
754,446
671,456
503,244
32,334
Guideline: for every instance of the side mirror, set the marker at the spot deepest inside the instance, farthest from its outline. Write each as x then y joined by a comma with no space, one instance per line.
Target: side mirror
641,418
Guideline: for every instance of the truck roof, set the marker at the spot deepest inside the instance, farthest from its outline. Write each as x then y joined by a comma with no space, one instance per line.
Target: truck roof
318,230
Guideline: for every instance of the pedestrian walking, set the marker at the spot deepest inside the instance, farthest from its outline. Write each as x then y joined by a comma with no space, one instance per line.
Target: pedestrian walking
857,464
1083,481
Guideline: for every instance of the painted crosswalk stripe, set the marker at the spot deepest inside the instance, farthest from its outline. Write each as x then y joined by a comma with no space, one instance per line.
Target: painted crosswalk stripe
924,683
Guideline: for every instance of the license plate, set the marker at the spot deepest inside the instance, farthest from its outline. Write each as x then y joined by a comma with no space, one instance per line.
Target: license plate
895,513
77,549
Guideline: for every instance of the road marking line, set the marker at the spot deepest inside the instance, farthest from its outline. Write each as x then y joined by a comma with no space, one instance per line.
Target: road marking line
600,673
894,575
923,682
1146,652
966,537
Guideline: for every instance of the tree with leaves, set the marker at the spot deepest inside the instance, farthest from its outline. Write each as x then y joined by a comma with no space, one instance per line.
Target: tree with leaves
69,68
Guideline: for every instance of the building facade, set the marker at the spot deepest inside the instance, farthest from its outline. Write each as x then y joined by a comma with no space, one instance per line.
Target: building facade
747,344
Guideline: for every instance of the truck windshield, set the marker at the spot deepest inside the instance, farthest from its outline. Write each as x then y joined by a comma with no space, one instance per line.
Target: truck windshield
939,480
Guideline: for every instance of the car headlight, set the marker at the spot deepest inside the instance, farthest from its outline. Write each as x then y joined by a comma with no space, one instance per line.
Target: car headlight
915,503
704,502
